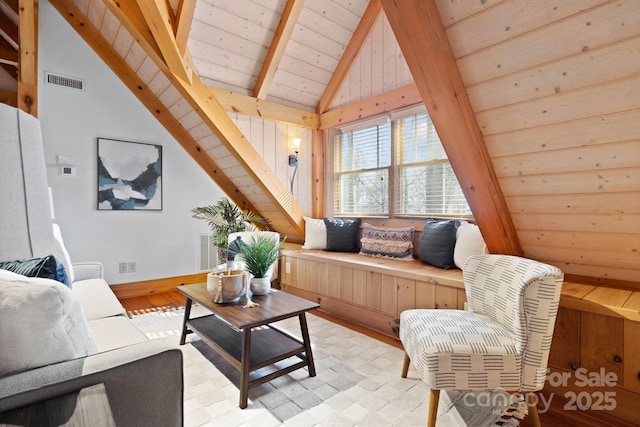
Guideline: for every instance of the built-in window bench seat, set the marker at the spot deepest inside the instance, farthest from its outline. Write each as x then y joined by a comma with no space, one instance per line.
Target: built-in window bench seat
388,286
598,327
368,291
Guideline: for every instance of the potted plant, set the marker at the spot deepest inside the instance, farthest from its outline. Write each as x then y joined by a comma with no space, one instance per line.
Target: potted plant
259,254
225,218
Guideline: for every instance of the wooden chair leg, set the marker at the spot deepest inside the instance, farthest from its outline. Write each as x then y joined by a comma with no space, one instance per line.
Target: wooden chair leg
434,396
405,365
533,409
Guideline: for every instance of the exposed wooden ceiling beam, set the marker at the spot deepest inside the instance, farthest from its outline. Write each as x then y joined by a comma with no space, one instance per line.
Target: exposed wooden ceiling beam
28,70
253,163
254,107
349,55
318,173
380,104
421,36
136,24
184,19
201,100
112,59
278,45
159,19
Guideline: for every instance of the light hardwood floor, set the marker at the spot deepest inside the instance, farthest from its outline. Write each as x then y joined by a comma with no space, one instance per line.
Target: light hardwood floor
556,416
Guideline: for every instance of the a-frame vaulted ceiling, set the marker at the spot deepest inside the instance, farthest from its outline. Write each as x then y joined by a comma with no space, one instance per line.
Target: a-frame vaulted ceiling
536,102
230,159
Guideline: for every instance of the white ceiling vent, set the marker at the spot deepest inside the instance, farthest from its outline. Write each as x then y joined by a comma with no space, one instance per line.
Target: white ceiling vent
64,81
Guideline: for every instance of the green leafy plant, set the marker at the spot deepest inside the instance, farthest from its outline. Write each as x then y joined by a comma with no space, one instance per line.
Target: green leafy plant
225,218
259,253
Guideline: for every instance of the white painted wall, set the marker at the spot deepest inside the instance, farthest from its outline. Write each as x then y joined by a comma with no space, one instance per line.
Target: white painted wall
163,244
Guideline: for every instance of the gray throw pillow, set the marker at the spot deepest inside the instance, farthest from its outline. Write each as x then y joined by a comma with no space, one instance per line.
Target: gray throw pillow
342,234
438,241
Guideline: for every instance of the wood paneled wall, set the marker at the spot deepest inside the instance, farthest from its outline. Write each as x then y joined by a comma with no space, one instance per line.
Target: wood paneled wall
556,90
273,141
379,68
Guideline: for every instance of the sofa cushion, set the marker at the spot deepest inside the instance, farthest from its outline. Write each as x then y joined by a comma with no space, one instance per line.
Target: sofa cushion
41,322
97,299
115,332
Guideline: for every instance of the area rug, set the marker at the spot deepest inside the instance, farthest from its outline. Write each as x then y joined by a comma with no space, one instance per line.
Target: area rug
358,383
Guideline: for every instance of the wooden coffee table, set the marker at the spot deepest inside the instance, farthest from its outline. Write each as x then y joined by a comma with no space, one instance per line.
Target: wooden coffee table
245,336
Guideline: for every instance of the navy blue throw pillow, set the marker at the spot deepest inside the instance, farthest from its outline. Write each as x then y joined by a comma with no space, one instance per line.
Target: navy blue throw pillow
61,274
438,241
45,267
342,234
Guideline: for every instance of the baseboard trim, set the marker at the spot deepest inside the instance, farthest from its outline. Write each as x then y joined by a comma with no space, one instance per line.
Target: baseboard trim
155,286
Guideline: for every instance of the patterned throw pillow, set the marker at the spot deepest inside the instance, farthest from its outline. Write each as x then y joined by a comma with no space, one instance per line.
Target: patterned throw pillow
387,242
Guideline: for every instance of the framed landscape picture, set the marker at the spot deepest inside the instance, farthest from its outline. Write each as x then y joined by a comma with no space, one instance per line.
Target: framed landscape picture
129,175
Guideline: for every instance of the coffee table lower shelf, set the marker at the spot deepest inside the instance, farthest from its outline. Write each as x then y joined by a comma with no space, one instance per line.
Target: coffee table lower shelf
264,345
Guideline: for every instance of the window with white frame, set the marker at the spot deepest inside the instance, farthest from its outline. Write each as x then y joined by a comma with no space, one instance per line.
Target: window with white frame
394,167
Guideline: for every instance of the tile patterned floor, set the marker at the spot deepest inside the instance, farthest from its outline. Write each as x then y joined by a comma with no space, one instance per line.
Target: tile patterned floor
358,383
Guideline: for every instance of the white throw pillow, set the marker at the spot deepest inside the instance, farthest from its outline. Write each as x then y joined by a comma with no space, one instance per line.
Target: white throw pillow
315,234
469,242
41,322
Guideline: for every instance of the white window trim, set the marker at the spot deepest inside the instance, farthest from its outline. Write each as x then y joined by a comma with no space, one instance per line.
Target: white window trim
368,122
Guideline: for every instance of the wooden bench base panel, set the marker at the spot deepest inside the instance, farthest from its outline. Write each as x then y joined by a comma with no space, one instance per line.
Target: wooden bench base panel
382,323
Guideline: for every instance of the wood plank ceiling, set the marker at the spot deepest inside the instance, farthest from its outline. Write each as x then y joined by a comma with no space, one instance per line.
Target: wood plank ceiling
296,44
546,91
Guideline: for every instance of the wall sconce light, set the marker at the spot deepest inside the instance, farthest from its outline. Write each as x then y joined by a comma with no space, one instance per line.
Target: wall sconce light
293,159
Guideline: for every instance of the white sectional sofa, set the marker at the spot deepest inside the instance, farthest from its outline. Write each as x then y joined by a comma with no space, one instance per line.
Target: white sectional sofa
68,353
106,317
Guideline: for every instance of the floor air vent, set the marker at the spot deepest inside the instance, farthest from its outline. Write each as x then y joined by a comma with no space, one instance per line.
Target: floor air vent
64,81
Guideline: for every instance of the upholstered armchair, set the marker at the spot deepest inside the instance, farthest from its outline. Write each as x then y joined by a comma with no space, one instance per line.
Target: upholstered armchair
501,341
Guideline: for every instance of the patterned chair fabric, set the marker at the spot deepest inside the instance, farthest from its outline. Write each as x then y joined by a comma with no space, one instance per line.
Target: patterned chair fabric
501,341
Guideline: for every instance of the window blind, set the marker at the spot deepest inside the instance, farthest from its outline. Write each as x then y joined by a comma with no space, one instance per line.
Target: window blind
426,183
395,168
361,165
